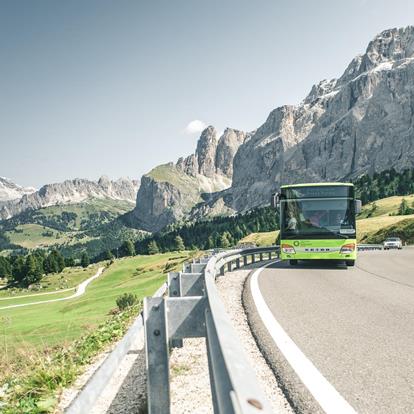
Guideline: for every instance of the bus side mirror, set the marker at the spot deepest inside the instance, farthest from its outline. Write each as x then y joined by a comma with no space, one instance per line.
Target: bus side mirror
275,200
358,206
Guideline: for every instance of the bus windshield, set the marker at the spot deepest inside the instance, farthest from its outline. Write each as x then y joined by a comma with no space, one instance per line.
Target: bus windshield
318,218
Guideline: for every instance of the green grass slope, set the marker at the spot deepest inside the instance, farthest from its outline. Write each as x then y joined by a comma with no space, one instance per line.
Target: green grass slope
61,322
404,229
384,206
267,238
46,346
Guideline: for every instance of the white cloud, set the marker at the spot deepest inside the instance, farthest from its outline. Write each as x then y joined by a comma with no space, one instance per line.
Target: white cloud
195,127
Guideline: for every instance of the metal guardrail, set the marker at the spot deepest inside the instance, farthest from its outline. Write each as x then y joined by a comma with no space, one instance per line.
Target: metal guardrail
194,309
362,247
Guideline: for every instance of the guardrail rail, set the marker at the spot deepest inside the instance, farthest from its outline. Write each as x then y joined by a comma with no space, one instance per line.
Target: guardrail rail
369,247
193,309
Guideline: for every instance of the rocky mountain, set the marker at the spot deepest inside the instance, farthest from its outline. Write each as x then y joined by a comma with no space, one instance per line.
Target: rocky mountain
169,192
11,191
362,122
71,192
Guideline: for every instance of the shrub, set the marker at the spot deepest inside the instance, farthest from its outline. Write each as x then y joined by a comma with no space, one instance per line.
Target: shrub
126,300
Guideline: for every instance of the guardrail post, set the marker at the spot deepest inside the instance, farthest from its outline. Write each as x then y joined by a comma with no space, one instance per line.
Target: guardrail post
222,271
253,259
261,257
174,284
270,255
229,266
157,356
244,260
237,263
174,290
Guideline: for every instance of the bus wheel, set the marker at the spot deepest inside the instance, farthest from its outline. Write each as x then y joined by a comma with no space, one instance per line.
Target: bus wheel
293,262
350,262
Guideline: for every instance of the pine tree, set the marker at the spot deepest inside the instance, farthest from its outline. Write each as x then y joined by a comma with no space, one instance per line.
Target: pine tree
32,271
153,247
108,255
60,261
128,248
5,268
179,244
18,269
85,260
403,209
210,243
224,241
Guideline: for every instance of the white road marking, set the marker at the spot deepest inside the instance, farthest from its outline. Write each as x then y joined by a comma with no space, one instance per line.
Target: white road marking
80,290
323,392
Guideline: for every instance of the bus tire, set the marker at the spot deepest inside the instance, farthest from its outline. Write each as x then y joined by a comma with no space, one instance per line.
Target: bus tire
293,262
350,262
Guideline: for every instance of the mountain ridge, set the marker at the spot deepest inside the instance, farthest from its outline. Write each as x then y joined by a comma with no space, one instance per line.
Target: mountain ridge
11,191
70,192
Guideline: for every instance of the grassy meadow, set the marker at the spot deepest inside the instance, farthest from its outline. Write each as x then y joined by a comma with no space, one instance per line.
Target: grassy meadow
261,239
60,322
32,336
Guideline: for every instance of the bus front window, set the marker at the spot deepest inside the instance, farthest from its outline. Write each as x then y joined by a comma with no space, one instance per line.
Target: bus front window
313,217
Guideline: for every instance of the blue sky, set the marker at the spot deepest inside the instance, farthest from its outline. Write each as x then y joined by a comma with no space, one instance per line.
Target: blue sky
92,87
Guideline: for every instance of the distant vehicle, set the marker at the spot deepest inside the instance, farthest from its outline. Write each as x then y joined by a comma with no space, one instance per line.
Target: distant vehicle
392,243
317,221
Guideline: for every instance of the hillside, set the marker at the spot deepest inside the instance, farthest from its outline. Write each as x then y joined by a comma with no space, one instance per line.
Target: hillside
267,238
404,229
385,206
71,228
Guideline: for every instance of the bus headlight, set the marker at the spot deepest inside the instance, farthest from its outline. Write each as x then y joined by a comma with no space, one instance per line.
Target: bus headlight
287,248
348,248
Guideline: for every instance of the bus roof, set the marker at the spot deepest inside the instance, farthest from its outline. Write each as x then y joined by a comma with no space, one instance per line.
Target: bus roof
316,185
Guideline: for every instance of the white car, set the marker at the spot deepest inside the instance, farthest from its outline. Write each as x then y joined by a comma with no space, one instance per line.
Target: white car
393,243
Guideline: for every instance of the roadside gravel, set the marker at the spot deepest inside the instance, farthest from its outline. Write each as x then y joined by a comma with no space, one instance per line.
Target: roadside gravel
190,383
231,289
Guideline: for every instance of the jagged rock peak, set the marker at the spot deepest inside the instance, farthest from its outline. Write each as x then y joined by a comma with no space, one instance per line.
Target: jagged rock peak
227,147
11,191
323,88
393,44
214,155
69,192
206,151
389,47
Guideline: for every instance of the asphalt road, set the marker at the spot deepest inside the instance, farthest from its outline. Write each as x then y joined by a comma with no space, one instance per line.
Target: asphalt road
355,325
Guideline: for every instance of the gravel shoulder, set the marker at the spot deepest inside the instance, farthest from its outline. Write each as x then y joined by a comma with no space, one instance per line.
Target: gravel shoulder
231,288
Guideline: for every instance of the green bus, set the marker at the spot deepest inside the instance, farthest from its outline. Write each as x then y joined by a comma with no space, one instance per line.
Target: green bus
317,222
